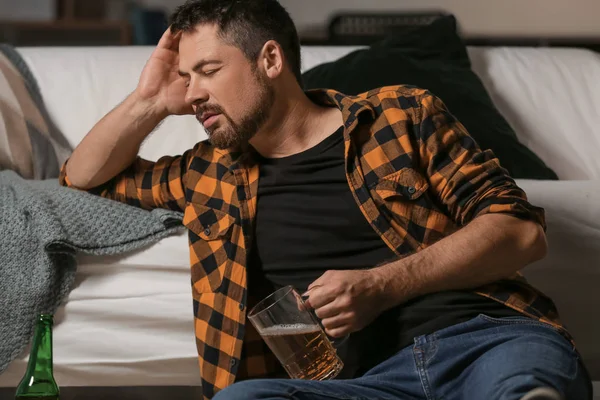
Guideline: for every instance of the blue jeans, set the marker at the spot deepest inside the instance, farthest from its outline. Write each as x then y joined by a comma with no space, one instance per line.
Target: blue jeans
482,359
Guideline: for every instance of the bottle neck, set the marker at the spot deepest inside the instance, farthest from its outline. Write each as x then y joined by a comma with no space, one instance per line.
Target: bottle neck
40,357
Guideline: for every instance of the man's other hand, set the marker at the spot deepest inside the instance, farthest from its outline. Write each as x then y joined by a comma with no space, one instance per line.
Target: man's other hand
346,301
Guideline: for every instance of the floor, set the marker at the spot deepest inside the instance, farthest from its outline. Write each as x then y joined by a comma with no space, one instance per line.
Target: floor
146,393
121,393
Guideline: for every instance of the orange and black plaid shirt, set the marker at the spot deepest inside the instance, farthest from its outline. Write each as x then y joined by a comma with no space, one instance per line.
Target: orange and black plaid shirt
415,173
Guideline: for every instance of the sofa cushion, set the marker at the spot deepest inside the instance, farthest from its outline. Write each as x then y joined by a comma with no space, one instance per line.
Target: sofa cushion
433,57
551,97
29,143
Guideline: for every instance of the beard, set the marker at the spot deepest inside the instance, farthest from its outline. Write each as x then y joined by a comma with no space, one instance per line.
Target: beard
233,135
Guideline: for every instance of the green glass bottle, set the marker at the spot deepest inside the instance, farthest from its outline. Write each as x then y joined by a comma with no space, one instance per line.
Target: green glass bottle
38,382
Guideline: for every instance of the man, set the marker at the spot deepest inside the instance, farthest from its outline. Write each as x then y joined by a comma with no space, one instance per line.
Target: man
401,231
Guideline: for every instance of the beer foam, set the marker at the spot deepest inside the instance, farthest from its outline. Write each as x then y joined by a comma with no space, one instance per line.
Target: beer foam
289,329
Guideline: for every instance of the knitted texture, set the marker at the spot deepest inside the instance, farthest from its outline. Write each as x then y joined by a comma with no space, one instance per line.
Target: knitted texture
42,227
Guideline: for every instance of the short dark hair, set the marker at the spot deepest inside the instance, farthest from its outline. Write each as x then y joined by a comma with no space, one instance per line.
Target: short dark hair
246,24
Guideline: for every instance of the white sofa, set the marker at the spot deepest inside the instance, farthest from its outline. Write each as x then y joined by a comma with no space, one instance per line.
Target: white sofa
128,321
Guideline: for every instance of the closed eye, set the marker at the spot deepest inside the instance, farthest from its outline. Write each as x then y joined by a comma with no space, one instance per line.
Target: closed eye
210,72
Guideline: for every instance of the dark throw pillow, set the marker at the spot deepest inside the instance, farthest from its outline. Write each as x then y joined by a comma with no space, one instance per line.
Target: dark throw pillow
433,57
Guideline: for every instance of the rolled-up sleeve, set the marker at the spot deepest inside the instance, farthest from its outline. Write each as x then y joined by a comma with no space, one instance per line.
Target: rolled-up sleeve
468,181
146,184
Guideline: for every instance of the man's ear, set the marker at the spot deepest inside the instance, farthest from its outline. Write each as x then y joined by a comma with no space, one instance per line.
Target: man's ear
271,59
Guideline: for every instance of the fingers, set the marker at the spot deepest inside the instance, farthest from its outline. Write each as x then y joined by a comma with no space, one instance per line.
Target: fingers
169,40
328,310
339,319
337,333
335,322
319,296
316,283
338,326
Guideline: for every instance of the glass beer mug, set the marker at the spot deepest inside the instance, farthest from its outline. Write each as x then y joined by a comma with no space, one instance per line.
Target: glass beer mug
295,336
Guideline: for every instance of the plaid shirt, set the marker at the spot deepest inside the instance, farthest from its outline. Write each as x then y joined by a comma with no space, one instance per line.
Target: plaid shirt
415,173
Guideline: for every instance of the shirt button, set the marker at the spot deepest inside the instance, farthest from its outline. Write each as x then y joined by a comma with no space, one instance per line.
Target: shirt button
411,190
241,306
207,231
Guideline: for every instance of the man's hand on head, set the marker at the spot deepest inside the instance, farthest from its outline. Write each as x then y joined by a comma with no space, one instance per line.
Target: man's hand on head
347,301
160,82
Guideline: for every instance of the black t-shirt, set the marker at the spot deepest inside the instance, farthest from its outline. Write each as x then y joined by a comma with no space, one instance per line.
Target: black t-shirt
308,222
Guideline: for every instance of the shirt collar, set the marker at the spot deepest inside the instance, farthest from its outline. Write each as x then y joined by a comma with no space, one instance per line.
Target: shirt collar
351,106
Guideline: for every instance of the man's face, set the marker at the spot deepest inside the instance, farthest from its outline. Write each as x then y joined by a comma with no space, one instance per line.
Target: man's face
231,96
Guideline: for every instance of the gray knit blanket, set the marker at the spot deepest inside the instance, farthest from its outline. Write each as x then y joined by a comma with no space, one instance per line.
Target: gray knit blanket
42,227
